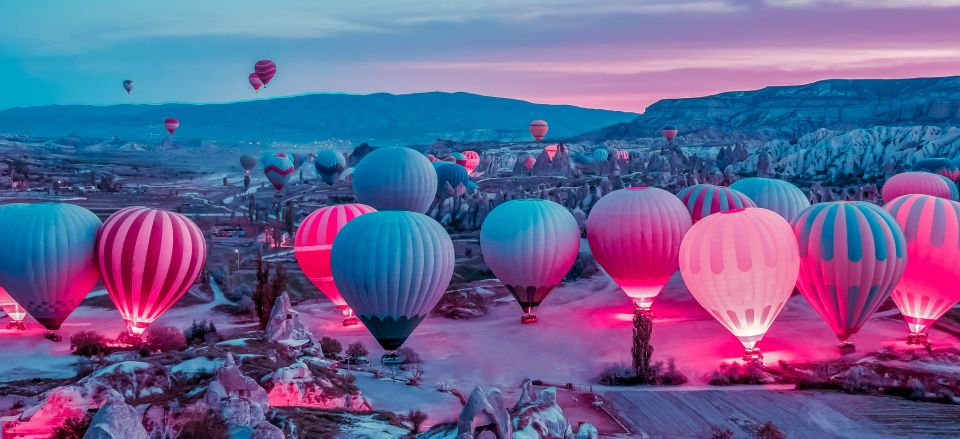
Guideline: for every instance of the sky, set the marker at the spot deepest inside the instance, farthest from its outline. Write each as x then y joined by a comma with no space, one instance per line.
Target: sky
613,54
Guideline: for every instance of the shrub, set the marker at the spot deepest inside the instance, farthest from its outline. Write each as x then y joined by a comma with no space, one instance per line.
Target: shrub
165,339
72,428
331,347
199,333
126,338
770,431
736,373
670,376
721,432
88,344
416,418
617,375
203,426
356,350
409,355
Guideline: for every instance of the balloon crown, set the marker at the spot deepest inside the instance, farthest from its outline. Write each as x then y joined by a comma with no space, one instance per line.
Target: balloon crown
638,188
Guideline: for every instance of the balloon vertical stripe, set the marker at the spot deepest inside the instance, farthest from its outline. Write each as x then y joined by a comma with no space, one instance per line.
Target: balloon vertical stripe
779,196
907,183
706,199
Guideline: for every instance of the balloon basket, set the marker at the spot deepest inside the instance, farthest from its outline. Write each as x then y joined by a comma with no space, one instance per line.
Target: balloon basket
753,356
391,358
53,336
17,325
350,321
919,339
528,319
846,348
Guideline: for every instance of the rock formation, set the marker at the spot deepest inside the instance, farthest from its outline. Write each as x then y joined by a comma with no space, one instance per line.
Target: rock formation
285,325
116,420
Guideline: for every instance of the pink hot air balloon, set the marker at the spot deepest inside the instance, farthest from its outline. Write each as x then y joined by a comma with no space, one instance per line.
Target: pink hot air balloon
312,246
551,151
669,133
706,199
529,162
635,236
278,168
918,182
13,310
255,82
148,259
171,124
852,255
928,288
538,129
741,265
265,69
432,158
473,159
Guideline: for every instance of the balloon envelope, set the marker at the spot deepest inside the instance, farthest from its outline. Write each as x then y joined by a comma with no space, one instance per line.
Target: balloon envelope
741,266
278,168
455,176
472,160
265,69
919,182
706,199
55,263
10,307
635,235
248,161
329,164
395,178
530,246
551,151
314,240
601,154
538,129
852,254
669,132
171,124
529,162
928,288
128,85
939,166
148,259
779,196
392,268
255,81
954,192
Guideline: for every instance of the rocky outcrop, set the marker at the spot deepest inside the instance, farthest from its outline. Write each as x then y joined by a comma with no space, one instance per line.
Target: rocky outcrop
285,326
295,385
239,400
116,420
561,165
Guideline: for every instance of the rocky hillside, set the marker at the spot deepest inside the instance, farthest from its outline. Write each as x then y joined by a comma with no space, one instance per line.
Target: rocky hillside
381,119
792,111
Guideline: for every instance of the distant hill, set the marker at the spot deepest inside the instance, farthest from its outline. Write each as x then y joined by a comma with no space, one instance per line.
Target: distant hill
382,119
791,111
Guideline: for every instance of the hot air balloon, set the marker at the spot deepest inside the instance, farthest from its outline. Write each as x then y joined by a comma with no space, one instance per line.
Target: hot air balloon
171,124
265,69
777,195
939,166
392,267
128,85
741,265
530,246
551,151
278,168
669,132
312,246
706,199
635,235
538,129
248,161
852,255
13,310
329,164
148,259
432,158
601,154
347,175
452,179
459,159
906,183
529,162
473,160
622,155
55,263
255,82
928,288
954,192
395,178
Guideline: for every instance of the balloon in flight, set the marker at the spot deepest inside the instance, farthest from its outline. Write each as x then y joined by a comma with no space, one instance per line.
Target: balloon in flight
530,246
741,266
551,151
128,85
171,124
53,263
395,178
706,199
392,267
601,154
278,168
472,160
538,129
669,132
255,82
248,162
265,69
148,259
779,196
635,235
529,162
329,164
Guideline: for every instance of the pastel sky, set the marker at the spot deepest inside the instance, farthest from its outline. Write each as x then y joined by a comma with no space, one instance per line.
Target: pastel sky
616,54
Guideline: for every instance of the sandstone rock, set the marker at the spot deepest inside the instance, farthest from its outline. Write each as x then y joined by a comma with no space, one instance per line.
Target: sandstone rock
116,420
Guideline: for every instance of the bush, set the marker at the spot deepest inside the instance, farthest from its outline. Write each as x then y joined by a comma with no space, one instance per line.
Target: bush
670,376
203,426
735,373
409,356
200,333
165,339
657,374
770,431
356,350
72,428
331,347
416,418
617,375
88,344
721,432
126,338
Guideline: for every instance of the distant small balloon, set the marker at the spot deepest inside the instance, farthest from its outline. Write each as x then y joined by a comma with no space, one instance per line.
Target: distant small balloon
255,82
529,162
473,160
551,151
128,85
248,161
538,129
670,132
265,69
278,170
171,124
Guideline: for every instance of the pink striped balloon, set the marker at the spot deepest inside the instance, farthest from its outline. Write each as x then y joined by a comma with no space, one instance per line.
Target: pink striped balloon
148,259
928,288
255,82
741,265
265,69
706,199
171,124
635,236
852,254
312,249
918,182
473,159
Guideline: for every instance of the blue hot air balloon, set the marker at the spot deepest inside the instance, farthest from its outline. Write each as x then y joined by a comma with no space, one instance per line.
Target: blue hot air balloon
600,154
530,246
392,268
452,179
329,164
395,178
50,258
779,196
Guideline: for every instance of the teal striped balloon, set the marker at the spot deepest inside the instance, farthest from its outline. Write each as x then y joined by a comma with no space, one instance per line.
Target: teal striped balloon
395,178
779,196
